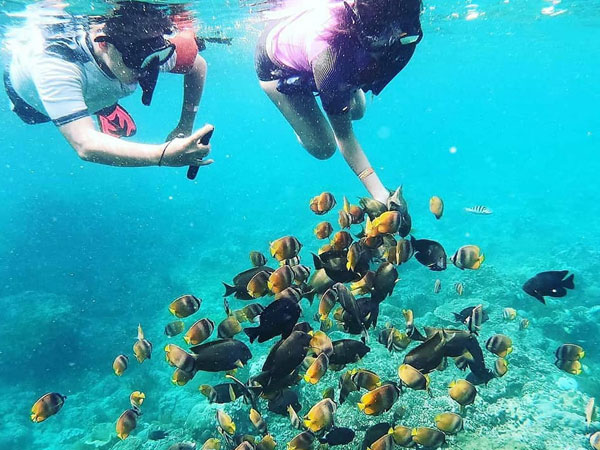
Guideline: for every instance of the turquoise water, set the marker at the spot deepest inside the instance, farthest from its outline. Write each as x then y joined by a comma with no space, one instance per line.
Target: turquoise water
90,251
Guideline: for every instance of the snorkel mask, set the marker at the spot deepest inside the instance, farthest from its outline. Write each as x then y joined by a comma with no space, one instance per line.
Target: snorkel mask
377,31
137,31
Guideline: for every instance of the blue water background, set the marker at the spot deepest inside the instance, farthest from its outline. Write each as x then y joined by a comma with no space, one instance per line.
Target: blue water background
516,92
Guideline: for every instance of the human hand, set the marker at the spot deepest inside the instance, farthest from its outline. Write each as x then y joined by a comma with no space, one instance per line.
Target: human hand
178,132
188,151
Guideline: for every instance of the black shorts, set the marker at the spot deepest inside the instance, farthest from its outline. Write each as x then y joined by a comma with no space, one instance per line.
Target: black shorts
266,69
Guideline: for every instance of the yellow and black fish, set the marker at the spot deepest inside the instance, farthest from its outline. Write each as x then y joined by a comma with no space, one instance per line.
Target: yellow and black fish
468,257
47,405
225,422
228,328
178,357
462,392
569,352
281,279
258,286
285,248
302,441
174,328
136,399
320,416
428,437
127,423
199,332
317,369
449,423
412,378
322,203
323,230
258,421
366,379
120,364
499,344
257,259
185,306
379,400
142,348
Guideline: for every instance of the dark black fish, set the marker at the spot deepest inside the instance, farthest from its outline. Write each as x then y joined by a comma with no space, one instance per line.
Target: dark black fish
303,326
240,281
278,319
348,302
270,385
287,354
466,313
430,253
375,432
157,435
385,281
456,343
335,264
225,391
552,284
221,355
338,436
368,313
346,351
428,355
279,403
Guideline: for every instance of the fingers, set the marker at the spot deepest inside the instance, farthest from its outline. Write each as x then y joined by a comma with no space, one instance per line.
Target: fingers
199,134
205,162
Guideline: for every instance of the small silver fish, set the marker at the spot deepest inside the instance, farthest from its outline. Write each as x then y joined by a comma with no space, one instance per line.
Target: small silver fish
437,286
459,287
479,209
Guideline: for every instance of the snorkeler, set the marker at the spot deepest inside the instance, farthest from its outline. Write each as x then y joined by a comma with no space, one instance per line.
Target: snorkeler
339,50
65,74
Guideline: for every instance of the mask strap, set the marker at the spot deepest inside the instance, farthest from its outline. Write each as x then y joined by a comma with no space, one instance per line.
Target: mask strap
148,83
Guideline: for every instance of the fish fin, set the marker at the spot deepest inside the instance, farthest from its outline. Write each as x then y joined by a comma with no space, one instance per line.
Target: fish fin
229,290
317,262
361,406
569,282
140,334
239,364
252,333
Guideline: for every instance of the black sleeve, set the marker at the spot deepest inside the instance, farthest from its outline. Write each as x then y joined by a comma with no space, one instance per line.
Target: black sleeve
334,78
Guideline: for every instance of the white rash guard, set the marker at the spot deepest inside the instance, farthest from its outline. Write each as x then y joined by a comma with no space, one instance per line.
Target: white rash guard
61,78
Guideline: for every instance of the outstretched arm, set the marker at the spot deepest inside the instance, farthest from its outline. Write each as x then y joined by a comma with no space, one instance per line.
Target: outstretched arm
94,146
355,155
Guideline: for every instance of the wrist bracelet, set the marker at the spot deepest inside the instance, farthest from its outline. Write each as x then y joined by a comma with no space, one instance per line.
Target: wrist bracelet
163,152
365,173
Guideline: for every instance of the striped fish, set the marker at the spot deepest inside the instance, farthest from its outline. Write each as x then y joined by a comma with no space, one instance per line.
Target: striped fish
479,209
473,322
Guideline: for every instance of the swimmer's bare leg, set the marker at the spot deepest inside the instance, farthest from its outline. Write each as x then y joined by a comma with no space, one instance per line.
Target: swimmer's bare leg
306,118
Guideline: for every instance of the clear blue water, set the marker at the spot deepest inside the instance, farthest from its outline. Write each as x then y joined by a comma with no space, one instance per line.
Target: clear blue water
89,251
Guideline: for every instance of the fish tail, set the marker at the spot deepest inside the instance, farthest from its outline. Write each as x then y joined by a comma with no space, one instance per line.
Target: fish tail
568,282
252,333
361,406
229,290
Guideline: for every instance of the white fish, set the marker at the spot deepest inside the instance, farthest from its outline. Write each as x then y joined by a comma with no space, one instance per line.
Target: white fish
479,209
590,411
